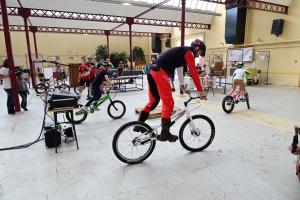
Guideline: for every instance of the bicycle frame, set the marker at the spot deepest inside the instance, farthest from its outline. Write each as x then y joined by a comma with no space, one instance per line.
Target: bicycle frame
96,104
176,116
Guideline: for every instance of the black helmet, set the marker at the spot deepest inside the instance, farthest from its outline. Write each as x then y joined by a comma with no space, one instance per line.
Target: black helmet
200,44
18,73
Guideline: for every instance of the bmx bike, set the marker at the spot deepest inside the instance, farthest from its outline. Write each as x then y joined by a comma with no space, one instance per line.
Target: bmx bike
196,134
116,109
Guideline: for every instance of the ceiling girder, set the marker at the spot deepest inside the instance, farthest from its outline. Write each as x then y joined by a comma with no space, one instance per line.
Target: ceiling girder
104,18
87,31
254,4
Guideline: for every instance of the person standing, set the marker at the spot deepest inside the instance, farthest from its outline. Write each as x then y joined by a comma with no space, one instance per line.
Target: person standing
5,75
159,86
84,76
22,90
93,70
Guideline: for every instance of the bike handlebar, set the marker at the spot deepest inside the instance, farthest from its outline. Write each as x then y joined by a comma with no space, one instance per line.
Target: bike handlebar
191,98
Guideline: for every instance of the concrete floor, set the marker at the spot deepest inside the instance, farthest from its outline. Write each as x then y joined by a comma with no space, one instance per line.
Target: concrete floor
248,158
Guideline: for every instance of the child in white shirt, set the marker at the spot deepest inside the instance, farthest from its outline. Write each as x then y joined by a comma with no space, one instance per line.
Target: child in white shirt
238,79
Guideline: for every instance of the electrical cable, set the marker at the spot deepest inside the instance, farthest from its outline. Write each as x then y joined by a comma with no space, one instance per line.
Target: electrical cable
36,140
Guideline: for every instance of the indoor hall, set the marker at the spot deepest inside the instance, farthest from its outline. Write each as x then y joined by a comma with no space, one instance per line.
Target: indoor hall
247,155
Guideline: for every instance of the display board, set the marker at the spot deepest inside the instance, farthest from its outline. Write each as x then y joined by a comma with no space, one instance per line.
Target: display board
240,54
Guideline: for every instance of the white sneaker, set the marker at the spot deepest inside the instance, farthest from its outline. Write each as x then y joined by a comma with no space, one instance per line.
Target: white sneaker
86,109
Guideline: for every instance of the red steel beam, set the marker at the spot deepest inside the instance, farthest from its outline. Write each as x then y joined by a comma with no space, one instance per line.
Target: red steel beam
45,29
150,9
254,4
10,56
104,18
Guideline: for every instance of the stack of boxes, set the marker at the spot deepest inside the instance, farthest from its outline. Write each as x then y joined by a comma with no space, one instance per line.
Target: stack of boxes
217,70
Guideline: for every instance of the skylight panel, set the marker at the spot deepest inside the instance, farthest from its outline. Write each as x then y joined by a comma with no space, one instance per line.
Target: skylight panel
194,3
188,3
176,3
199,5
209,6
204,5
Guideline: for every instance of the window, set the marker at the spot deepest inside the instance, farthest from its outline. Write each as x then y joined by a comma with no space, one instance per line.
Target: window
192,4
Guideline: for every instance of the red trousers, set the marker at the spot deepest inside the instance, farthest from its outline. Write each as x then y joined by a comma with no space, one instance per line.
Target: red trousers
159,88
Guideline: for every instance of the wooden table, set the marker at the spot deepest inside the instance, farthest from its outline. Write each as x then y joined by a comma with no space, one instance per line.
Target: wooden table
64,110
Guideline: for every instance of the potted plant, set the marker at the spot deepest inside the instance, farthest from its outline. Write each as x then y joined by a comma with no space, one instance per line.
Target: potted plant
101,52
116,57
138,55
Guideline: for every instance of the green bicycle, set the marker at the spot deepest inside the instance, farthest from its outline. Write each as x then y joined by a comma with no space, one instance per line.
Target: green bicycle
116,109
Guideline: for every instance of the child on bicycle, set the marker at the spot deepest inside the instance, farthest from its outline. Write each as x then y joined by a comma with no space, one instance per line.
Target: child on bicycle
22,90
101,76
238,79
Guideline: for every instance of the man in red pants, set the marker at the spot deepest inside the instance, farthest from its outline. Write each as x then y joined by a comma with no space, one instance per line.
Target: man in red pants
159,87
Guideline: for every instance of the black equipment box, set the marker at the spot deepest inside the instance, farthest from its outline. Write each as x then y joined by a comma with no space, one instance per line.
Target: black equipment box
62,99
50,138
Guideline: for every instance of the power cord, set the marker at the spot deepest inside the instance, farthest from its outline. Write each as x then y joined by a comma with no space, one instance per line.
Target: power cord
36,140
28,144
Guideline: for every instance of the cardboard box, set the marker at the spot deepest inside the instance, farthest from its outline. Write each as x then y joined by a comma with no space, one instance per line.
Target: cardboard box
218,65
218,72
203,74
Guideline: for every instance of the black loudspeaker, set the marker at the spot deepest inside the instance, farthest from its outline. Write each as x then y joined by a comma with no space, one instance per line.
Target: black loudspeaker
168,43
235,25
277,27
156,44
50,138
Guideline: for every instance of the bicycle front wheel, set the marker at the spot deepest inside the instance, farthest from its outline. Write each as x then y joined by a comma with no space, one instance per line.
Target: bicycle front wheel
228,104
133,147
40,88
200,138
116,109
78,116
64,87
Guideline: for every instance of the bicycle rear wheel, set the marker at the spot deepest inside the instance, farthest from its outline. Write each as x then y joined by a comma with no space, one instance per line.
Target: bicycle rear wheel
40,88
79,116
76,89
133,147
64,87
247,99
200,138
228,104
116,109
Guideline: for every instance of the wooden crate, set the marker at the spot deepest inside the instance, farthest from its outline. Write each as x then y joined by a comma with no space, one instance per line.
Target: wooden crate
156,113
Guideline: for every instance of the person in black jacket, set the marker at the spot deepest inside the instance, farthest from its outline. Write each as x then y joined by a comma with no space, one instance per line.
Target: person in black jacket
159,86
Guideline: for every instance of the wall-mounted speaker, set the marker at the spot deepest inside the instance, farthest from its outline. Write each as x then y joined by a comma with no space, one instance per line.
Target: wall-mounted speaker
156,44
235,25
168,43
277,27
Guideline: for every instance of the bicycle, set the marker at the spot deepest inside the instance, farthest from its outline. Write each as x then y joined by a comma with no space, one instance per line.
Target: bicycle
49,83
295,151
230,101
115,105
134,147
76,88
